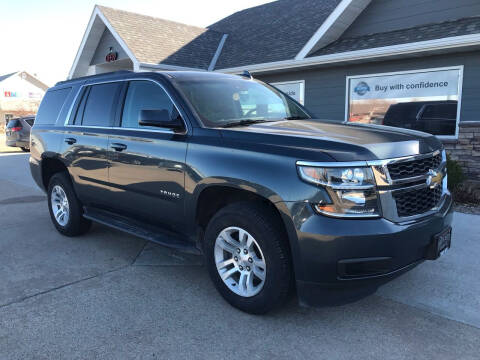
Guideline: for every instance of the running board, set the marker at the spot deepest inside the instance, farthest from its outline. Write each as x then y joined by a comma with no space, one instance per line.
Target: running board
143,230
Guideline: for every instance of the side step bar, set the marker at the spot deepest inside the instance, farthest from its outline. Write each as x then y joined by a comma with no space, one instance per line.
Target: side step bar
143,230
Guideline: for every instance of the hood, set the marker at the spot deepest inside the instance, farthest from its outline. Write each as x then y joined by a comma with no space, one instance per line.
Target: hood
342,142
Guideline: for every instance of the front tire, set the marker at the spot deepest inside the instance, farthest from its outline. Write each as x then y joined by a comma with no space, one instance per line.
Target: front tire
65,209
247,257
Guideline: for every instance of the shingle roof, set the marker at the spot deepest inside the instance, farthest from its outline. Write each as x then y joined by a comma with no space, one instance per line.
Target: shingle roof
154,41
4,77
425,32
270,32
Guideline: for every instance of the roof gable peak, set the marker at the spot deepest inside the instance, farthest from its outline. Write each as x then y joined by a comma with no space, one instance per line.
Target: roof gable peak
334,26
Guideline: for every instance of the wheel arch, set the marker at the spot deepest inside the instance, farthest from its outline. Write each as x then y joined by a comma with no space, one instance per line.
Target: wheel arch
51,164
214,197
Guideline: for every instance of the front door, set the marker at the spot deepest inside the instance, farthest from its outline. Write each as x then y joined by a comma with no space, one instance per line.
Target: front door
147,163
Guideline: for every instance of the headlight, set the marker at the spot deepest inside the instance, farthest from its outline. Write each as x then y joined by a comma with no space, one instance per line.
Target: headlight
351,189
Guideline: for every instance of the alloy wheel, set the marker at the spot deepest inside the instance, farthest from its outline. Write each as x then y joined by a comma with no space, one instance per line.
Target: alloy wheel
60,205
240,261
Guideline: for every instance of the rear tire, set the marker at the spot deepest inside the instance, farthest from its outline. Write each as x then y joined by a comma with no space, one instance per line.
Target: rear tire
65,209
268,248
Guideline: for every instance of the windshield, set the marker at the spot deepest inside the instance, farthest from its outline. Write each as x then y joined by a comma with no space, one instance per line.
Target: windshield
223,102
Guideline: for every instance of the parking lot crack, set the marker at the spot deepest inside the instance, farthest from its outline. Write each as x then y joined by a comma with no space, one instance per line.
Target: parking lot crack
139,253
20,300
474,324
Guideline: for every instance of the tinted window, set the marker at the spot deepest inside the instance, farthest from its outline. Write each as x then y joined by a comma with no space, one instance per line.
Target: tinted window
402,115
225,101
51,106
439,119
100,105
30,121
440,111
143,95
78,112
14,123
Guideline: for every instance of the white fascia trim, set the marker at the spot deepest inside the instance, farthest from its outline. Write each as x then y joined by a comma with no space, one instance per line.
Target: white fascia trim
147,67
96,12
324,28
380,52
211,67
82,44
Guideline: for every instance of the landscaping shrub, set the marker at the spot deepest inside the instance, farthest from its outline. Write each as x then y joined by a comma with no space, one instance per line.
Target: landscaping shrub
455,173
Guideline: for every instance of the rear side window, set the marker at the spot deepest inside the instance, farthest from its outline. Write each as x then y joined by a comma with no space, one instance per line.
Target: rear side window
14,123
143,95
51,106
440,111
30,121
100,104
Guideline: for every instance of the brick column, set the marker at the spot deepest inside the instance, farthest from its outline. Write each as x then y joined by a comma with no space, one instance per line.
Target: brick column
466,150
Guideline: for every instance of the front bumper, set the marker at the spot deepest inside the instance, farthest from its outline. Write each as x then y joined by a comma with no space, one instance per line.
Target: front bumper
358,254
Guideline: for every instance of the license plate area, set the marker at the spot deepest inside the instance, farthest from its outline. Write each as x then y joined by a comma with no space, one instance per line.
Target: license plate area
440,243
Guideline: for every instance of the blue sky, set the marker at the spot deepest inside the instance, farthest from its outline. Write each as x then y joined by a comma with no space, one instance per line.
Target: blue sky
43,36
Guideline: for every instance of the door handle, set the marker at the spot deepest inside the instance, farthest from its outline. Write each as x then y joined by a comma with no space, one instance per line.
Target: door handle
118,147
70,141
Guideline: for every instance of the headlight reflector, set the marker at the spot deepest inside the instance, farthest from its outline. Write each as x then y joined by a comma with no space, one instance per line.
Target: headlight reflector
351,189
337,176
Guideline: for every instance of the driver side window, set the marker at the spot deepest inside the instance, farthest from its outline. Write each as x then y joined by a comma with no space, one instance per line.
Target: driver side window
143,95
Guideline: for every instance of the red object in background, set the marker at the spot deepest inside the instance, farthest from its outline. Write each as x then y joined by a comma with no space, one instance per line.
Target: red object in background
7,94
111,56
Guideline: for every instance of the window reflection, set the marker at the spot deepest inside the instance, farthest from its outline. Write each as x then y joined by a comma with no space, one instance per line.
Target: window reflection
436,115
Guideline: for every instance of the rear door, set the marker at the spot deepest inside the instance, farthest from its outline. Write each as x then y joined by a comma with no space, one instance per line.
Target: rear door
86,141
147,163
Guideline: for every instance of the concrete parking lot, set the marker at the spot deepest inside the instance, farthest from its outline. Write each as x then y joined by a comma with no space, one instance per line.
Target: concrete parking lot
110,295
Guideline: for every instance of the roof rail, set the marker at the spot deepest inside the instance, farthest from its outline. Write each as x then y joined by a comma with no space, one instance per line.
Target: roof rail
246,74
119,72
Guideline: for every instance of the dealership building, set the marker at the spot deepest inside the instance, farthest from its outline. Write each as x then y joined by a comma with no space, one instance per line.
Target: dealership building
411,63
20,95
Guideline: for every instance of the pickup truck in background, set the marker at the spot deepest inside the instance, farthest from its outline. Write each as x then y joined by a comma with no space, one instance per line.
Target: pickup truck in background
231,168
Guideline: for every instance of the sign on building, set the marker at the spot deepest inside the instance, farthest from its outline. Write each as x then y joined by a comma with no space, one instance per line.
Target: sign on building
294,89
425,100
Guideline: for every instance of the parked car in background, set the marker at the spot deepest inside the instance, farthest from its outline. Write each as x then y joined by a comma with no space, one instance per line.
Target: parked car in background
231,168
434,117
17,132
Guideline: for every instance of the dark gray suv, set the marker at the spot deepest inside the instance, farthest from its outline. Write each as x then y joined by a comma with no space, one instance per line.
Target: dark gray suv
231,168
17,132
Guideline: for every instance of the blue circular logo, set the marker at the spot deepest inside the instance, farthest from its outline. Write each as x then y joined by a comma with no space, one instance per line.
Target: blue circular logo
362,88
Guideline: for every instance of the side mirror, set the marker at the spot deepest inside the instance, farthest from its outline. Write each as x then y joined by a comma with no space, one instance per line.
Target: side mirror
159,118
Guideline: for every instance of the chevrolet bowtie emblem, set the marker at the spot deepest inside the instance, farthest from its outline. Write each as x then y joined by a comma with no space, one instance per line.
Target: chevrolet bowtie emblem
434,179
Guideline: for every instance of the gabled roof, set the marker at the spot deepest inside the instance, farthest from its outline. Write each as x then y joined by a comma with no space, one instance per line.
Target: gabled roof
271,32
278,30
31,78
466,26
4,77
154,41
277,35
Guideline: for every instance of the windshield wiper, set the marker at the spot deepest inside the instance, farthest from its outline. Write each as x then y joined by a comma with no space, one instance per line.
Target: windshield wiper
296,118
244,122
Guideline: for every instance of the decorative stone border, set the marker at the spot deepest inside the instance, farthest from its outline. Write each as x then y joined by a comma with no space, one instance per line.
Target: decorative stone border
466,150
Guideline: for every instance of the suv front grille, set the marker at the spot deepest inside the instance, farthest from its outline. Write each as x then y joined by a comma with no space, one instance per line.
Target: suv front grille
418,201
414,168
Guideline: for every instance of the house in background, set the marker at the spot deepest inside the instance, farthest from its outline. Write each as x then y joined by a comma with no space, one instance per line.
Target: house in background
410,63
20,95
